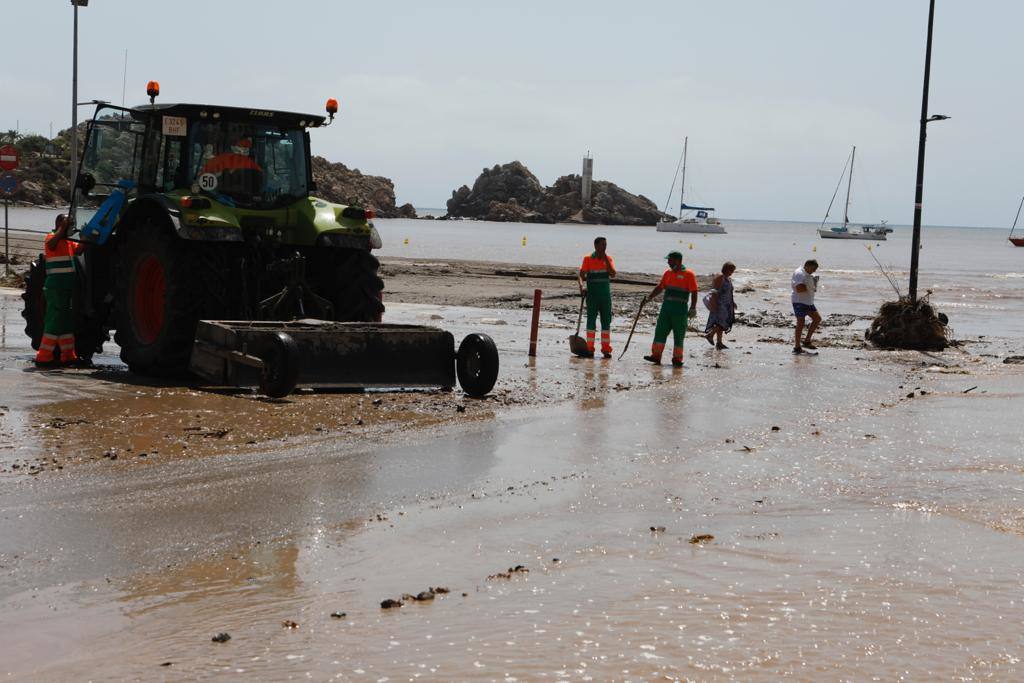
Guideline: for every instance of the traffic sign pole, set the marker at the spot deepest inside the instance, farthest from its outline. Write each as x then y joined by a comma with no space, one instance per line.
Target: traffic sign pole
9,159
7,242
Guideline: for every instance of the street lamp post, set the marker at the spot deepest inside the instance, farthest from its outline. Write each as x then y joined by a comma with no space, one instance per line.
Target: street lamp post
74,102
915,247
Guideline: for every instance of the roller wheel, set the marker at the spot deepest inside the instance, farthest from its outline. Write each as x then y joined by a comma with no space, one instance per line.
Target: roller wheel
281,359
476,364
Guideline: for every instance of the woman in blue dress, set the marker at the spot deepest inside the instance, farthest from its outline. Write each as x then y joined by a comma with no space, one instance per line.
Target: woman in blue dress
722,307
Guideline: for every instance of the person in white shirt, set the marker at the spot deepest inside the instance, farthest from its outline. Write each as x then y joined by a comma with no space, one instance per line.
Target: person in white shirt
804,284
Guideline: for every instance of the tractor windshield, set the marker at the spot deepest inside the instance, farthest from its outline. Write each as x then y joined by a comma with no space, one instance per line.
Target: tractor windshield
246,164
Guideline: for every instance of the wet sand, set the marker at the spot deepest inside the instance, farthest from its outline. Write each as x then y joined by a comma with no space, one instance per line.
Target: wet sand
864,513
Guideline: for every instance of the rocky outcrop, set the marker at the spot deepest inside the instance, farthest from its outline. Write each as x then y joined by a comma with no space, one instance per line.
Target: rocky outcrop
44,170
510,184
336,182
510,192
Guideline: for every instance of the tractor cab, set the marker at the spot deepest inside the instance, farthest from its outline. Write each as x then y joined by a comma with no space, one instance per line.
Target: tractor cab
241,158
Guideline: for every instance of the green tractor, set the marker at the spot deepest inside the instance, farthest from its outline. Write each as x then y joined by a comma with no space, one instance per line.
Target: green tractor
191,212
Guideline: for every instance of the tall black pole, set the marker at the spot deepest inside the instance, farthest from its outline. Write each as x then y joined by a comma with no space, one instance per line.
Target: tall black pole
74,113
915,247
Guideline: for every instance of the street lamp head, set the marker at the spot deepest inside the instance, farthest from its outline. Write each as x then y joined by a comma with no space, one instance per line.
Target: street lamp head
80,3
937,117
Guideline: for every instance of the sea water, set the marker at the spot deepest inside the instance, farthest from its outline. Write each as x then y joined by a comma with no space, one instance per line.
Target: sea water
975,275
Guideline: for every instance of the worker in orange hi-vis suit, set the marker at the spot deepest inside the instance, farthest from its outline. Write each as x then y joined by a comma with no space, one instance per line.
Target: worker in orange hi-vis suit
59,287
595,282
677,283
239,158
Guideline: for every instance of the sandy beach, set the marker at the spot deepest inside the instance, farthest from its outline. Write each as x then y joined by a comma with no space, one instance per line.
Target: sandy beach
310,401
750,516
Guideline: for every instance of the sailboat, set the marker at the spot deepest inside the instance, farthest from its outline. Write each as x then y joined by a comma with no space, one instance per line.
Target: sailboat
876,231
702,221
1017,241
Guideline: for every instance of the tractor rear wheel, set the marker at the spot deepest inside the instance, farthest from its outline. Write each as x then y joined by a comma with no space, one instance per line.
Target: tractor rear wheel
34,308
158,298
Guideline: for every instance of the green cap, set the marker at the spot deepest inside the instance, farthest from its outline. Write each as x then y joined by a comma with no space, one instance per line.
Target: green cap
674,254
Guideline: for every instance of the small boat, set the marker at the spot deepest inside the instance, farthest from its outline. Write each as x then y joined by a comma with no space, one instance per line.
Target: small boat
702,221
875,231
867,232
1017,241
882,227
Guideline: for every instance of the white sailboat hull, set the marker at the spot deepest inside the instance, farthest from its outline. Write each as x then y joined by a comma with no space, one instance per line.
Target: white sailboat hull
691,227
832,235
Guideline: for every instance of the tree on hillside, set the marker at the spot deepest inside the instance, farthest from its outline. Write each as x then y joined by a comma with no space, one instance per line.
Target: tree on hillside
32,144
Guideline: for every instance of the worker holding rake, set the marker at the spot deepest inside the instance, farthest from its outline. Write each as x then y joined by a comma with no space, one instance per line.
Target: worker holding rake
677,282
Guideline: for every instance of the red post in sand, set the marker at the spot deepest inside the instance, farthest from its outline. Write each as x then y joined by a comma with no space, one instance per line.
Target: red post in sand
535,322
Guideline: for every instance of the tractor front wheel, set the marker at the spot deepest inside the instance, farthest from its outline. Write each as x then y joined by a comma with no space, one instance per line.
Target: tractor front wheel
349,278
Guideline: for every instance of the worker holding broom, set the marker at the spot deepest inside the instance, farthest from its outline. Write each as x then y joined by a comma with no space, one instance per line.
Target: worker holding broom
676,283
595,283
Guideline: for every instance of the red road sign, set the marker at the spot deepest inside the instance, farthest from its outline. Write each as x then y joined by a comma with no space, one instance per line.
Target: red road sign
8,158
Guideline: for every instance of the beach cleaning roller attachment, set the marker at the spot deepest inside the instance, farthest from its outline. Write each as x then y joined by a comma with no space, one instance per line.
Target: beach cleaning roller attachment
277,357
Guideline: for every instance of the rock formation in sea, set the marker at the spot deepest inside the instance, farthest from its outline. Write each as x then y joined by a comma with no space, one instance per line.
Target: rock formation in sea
510,192
336,182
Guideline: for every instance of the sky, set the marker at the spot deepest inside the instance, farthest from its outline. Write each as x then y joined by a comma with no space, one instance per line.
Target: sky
771,94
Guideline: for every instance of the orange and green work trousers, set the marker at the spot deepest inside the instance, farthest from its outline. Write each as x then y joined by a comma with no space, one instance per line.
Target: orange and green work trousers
599,303
673,317
59,324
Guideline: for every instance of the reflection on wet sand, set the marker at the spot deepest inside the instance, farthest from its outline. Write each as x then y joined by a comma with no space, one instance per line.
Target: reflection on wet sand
864,515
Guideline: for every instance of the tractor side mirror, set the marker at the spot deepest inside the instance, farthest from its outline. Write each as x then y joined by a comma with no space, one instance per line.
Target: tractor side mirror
85,182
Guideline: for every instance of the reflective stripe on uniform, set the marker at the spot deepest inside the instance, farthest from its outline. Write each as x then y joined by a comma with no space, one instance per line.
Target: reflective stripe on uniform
59,262
676,294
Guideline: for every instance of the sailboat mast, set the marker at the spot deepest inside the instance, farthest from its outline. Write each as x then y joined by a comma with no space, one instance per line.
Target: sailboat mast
846,211
682,181
1014,227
